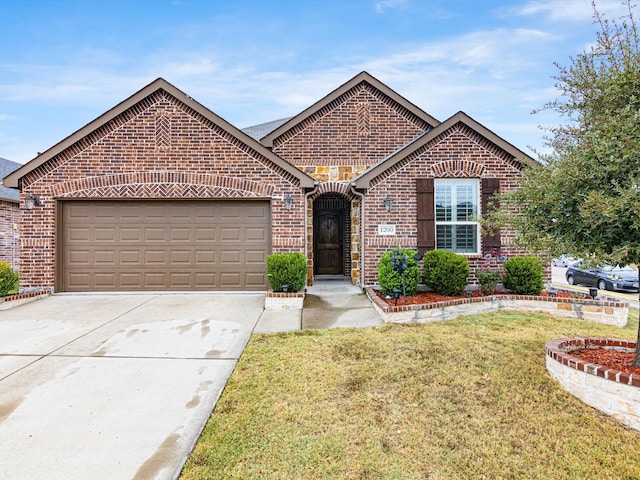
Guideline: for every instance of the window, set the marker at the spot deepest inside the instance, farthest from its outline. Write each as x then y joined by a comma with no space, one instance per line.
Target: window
456,205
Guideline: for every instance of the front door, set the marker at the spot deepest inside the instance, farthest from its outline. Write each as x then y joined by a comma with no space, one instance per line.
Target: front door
328,241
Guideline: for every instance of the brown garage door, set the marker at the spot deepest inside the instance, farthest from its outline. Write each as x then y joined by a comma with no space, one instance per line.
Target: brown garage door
164,245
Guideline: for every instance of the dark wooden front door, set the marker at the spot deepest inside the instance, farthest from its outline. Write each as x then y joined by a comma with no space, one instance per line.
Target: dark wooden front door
327,234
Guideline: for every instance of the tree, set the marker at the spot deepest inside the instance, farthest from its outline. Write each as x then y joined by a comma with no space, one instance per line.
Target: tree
584,199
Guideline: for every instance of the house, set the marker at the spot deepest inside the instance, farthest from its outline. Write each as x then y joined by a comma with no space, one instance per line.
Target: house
9,217
160,193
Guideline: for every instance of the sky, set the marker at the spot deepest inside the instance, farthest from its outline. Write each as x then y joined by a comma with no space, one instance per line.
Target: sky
63,63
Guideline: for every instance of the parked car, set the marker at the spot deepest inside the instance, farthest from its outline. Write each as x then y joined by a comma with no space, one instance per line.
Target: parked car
624,279
562,261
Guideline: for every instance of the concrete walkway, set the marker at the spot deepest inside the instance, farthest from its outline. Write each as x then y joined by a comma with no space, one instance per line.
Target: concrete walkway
120,386
329,303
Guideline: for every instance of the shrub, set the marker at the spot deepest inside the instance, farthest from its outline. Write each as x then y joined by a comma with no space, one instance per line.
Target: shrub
389,279
488,277
523,275
289,269
446,272
9,279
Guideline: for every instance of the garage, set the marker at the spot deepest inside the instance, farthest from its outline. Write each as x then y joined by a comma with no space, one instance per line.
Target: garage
154,245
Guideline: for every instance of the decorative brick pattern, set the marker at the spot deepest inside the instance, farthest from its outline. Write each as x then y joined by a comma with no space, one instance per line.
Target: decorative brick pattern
163,131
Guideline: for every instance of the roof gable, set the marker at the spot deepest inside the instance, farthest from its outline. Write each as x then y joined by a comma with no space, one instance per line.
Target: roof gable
364,179
12,180
335,94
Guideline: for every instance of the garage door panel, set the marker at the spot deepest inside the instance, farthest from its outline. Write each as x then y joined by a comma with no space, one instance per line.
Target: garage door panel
255,235
164,245
130,234
79,257
230,234
255,257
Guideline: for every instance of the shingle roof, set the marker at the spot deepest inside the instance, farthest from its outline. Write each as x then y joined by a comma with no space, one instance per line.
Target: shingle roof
6,193
258,131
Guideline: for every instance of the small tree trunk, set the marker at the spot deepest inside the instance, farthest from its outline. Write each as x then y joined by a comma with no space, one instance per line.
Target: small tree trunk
636,358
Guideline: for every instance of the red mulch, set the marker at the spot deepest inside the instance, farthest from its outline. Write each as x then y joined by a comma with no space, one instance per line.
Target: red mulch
422,298
607,358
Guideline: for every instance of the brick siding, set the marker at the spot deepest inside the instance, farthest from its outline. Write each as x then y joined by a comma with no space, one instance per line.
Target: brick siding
457,153
136,155
9,221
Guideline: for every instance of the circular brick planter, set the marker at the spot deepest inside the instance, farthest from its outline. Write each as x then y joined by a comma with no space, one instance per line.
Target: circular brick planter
611,391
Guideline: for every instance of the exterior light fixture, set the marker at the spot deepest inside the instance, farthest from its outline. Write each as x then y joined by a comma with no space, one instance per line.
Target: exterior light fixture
468,293
396,294
31,201
288,202
285,287
553,293
593,292
388,203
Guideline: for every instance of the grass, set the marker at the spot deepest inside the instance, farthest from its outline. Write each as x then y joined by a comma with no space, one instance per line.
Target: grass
465,399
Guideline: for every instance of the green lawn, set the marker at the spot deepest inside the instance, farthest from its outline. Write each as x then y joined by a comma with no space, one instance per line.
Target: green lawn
465,399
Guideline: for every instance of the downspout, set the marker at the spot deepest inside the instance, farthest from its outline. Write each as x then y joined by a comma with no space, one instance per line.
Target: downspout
306,224
361,195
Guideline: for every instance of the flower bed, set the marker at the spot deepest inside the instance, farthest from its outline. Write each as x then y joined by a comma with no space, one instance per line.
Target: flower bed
602,310
611,391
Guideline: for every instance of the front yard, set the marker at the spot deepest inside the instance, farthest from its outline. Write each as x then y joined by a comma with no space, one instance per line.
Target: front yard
463,399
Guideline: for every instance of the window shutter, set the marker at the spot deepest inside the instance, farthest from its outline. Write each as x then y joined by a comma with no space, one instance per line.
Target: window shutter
426,215
490,186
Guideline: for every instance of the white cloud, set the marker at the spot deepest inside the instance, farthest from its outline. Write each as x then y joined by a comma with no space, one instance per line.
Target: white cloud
571,10
382,5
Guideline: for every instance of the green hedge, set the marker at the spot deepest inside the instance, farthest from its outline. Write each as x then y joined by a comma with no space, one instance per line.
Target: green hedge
9,279
288,268
389,279
446,272
523,275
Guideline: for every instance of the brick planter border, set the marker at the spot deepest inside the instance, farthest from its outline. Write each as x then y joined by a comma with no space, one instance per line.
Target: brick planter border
611,391
17,299
283,301
608,311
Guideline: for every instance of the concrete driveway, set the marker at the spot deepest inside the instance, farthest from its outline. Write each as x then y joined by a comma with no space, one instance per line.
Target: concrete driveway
114,386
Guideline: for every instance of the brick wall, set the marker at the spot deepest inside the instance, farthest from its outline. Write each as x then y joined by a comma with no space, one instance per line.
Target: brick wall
355,131
457,153
160,148
9,220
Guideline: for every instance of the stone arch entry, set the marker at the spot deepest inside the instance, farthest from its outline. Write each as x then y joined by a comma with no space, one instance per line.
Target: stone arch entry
331,235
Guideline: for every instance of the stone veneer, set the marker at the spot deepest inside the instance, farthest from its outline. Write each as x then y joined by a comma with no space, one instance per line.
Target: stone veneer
611,391
600,311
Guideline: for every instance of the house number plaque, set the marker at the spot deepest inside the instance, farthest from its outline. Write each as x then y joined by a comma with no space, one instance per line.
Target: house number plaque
386,229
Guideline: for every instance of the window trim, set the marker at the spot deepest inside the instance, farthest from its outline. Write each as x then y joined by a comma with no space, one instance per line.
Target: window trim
477,203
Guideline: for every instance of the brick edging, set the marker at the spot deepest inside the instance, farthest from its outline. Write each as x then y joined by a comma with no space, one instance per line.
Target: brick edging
559,350
385,307
16,299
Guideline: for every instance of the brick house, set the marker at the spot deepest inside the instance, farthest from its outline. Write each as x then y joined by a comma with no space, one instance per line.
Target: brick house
9,217
161,193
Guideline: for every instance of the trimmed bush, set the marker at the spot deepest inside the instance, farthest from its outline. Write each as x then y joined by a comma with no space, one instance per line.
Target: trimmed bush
9,279
287,268
388,278
446,272
523,275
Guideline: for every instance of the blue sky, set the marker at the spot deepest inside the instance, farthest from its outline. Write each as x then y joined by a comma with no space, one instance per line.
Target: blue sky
64,63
